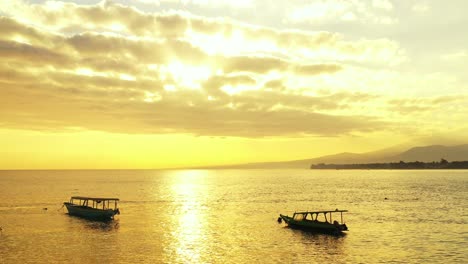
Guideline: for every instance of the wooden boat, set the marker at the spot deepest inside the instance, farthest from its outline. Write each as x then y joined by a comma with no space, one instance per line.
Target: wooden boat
314,221
93,208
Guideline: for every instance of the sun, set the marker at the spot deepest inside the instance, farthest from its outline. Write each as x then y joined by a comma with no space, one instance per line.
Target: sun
186,76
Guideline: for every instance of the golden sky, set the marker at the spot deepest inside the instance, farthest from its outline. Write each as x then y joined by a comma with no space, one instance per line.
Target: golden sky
176,83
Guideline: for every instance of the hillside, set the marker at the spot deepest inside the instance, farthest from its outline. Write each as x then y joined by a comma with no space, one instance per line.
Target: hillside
422,154
433,153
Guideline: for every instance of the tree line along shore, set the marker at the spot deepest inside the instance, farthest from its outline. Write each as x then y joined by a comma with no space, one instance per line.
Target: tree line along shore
442,164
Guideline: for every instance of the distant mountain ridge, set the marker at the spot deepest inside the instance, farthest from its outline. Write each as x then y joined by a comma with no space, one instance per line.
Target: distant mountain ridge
434,153
423,153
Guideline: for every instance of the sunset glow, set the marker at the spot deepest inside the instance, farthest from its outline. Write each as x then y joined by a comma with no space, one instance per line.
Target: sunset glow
171,84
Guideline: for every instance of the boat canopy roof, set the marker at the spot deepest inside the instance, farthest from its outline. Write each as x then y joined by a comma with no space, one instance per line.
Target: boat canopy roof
322,212
94,198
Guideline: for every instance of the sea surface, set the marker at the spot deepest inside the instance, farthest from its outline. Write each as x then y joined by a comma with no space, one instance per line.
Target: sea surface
230,216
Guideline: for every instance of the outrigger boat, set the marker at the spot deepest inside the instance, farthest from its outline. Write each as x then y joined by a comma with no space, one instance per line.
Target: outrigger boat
310,221
93,208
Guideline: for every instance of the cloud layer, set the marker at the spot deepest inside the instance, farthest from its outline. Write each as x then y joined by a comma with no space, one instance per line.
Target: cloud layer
114,68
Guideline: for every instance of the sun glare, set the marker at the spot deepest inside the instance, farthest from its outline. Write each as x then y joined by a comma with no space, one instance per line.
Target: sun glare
22,40
170,88
151,97
54,5
89,72
187,76
117,27
233,90
127,77
84,71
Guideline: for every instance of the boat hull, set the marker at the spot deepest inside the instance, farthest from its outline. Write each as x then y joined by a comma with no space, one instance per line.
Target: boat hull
315,226
90,213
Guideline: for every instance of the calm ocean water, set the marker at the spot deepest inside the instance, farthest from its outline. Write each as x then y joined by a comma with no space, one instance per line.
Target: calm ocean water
229,216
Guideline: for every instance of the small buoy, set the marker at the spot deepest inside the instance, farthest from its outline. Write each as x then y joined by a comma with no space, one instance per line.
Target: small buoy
280,220
386,198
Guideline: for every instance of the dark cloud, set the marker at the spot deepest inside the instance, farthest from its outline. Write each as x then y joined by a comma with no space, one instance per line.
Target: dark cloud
407,106
12,29
253,64
276,84
33,108
15,51
314,69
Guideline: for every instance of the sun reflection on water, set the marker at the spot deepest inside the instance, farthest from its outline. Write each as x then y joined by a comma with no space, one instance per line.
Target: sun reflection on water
188,232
